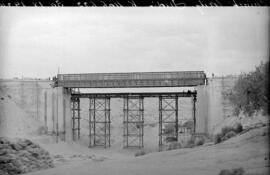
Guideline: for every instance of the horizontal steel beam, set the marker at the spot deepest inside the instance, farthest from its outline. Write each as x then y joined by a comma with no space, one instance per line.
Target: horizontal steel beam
135,94
130,83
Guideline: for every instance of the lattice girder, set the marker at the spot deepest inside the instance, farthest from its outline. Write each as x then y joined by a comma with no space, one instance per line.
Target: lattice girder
133,122
168,119
75,108
99,122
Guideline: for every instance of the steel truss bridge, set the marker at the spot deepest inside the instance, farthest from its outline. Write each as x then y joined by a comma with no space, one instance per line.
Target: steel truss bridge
133,103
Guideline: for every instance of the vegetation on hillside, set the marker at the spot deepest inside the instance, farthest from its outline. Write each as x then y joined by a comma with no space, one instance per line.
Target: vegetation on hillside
250,93
140,153
228,132
235,171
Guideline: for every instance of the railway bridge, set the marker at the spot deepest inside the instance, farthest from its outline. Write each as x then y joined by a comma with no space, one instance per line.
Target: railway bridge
133,103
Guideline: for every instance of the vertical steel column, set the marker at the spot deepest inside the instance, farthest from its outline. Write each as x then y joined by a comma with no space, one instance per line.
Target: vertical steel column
45,112
99,122
142,125
75,107
37,117
176,118
91,113
133,122
94,121
194,113
64,119
79,117
57,124
160,123
53,118
73,118
108,121
125,119
105,125
168,120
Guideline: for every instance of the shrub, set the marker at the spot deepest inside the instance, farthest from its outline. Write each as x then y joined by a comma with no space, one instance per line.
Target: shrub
140,153
171,139
139,125
152,124
236,171
225,130
188,124
169,128
250,93
238,128
190,143
174,145
225,172
217,138
228,132
199,141
228,135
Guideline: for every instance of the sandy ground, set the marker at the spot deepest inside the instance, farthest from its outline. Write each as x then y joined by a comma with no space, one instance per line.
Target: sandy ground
248,150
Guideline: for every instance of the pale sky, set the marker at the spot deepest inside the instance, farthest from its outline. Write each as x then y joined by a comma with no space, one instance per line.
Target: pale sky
34,42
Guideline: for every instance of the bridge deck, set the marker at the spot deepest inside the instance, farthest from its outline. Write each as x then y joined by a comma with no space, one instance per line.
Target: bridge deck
135,94
131,80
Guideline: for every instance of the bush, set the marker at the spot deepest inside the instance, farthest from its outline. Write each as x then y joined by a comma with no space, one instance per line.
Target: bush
228,132
189,124
152,124
171,139
140,153
250,93
225,130
186,143
217,138
190,143
228,135
238,128
169,128
174,145
199,141
236,171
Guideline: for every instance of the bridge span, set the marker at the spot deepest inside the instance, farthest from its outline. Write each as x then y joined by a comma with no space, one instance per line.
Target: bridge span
133,103
132,79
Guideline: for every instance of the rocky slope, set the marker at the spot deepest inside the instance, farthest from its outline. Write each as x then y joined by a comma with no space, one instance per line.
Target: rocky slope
21,156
